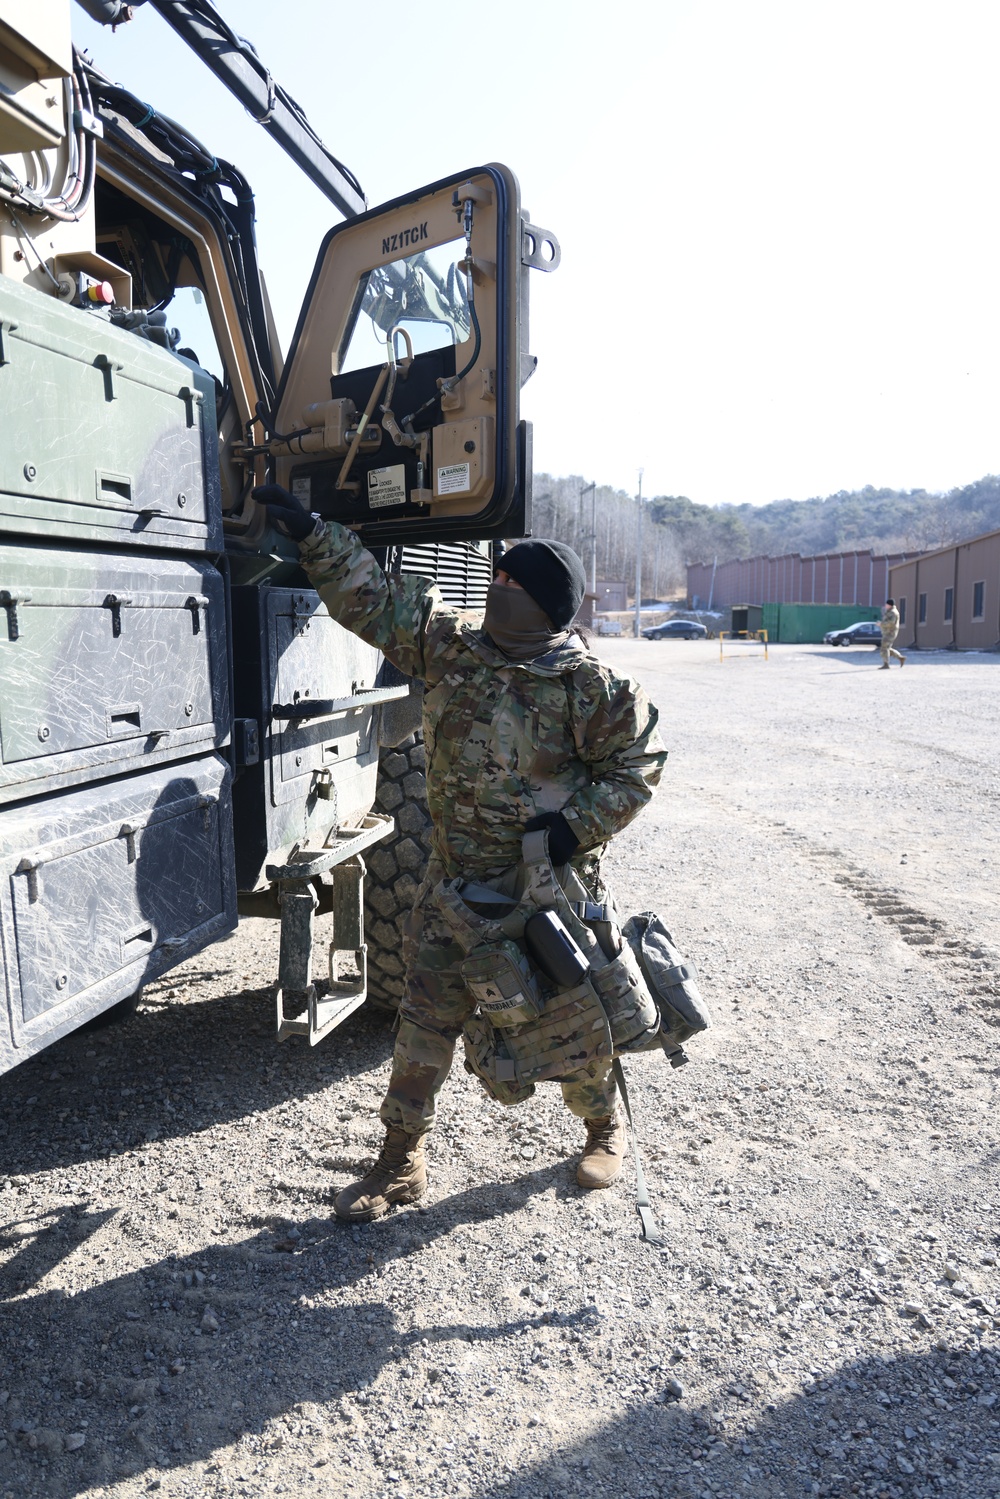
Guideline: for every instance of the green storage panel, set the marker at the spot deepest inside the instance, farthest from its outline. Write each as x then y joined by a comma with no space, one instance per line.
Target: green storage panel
109,662
806,624
105,887
106,437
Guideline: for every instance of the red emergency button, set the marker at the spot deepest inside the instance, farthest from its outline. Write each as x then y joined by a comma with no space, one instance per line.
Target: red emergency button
101,292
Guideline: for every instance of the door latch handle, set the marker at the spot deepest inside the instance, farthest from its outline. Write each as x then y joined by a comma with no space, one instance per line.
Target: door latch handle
29,867
116,602
196,602
9,601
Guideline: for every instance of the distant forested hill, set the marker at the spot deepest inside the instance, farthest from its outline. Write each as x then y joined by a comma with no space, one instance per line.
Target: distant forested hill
887,520
884,519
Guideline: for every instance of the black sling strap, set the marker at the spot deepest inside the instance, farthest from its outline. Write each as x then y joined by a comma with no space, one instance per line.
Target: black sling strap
650,1232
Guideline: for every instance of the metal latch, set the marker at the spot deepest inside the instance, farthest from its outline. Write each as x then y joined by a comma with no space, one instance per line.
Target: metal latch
109,368
196,603
116,602
191,399
30,868
10,601
6,326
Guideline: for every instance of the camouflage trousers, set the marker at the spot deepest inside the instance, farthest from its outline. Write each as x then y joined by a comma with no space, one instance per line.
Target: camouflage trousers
432,1014
888,648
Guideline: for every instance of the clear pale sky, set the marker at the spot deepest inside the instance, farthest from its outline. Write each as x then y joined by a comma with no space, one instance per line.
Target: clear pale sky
779,219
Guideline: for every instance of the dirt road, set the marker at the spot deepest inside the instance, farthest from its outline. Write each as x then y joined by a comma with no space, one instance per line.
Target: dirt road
180,1315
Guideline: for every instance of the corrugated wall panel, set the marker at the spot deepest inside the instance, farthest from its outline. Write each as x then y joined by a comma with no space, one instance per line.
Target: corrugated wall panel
855,579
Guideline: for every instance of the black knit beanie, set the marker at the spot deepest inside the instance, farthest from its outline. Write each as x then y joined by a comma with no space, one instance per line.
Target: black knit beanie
552,573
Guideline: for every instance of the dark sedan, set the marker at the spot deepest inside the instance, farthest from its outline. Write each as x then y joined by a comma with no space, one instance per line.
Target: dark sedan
677,629
865,632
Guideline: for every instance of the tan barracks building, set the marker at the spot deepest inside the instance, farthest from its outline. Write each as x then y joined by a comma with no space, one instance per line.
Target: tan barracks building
950,599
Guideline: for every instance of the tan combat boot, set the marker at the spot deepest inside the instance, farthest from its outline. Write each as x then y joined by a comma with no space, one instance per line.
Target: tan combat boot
399,1175
601,1161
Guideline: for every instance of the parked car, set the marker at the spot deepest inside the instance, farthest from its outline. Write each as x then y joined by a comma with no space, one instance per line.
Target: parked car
677,629
865,632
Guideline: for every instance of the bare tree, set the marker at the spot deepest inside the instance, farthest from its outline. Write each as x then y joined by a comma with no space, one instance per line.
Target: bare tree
560,511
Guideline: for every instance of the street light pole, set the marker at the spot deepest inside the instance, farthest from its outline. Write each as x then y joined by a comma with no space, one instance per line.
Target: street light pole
638,563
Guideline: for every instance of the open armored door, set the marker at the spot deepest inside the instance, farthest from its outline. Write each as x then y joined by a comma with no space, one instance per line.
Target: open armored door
398,412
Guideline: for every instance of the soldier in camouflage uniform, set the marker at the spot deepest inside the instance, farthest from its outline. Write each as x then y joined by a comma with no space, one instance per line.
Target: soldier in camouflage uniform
523,729
889,626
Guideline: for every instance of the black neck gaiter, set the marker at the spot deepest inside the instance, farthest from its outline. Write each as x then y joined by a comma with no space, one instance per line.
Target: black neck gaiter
517,625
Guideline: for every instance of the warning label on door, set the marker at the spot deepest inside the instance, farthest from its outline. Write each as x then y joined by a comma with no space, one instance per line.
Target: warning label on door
453,478
387,486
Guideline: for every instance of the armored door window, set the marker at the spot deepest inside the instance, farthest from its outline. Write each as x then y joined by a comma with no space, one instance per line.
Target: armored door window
421,296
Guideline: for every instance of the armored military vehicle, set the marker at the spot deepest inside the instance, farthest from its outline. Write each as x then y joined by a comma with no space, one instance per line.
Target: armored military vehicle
184,732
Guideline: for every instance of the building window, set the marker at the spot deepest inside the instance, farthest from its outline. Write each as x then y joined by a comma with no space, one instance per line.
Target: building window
978,600
949,604
922,609
902,611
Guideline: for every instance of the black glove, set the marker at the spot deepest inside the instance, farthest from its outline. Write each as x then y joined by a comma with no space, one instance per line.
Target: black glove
284,511
563,842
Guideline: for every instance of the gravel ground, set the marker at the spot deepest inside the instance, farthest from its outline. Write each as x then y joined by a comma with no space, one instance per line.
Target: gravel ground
181,1315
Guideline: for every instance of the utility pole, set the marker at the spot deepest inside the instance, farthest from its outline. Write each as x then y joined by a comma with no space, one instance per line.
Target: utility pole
638,564
592,538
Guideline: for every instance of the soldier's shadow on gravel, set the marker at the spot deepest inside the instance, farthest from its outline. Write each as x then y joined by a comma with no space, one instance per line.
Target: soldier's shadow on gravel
173,1069
890,1428
160,1367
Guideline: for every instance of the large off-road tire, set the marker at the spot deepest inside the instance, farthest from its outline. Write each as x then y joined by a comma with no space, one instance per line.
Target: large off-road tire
395,868
114,1014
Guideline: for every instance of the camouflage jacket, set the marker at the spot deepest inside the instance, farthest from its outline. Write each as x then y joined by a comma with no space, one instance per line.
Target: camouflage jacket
504,740
889,625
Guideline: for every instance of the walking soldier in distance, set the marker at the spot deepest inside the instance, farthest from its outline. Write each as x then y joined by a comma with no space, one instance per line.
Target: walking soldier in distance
889,625
524,729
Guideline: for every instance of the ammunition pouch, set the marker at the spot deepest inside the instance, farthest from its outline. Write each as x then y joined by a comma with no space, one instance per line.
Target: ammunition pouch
671,979
531,1026
614,973
499,977
627,1002
532,1023
487,1057
571,1032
